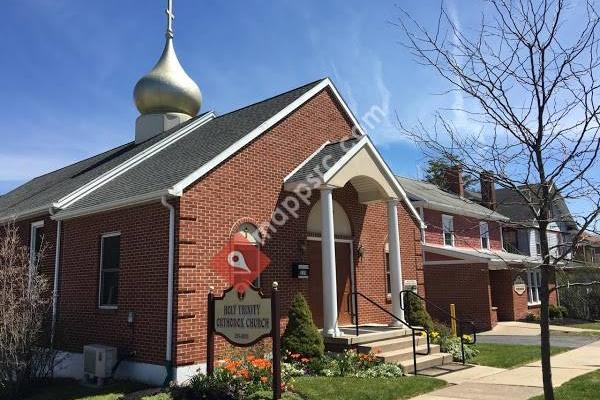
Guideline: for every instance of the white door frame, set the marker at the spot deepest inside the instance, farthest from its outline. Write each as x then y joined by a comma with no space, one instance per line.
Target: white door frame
352,267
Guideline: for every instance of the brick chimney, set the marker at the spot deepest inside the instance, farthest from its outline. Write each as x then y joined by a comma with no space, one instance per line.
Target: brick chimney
454,180
488,190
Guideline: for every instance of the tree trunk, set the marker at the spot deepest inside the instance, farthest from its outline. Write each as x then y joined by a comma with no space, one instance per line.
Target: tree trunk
544,314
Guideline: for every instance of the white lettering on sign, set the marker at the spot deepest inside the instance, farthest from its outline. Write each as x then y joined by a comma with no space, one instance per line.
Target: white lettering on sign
243,319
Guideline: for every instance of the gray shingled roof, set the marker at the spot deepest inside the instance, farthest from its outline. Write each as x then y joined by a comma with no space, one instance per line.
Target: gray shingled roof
158,172
334,152
512,204
445,201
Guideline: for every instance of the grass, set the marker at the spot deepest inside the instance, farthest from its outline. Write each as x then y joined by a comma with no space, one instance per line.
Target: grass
584,387
509,355
68,389
324,388
586,325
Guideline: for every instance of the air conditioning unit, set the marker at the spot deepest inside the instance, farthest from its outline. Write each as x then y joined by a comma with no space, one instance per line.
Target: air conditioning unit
99,360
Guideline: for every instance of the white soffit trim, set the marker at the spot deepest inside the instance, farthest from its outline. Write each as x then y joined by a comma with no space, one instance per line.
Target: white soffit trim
366,142
34,212
100,181
140,199
179,187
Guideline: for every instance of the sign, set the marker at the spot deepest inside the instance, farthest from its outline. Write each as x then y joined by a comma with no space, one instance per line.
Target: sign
519,285
410,284
243,318
300,271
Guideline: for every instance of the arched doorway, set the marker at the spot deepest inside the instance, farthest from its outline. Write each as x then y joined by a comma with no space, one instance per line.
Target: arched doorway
343,260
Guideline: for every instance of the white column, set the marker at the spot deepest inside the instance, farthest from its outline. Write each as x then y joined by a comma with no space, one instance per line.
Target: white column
330,311
395,261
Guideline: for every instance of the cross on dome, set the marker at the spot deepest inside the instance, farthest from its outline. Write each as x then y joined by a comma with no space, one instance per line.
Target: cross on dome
170,18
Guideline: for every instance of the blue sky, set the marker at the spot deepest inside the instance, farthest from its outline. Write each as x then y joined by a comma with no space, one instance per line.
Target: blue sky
69,67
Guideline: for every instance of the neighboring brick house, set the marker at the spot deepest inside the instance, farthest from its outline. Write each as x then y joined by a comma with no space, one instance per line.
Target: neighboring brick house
464,260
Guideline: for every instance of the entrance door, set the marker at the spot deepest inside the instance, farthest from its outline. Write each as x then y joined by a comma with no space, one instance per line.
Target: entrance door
344,284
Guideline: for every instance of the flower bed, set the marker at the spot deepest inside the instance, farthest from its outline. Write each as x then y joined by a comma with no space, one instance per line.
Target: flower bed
250,376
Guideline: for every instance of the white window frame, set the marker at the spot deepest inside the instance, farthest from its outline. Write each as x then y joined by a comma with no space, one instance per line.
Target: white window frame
484,232
102,237
534,283
538,242
449,218
32,245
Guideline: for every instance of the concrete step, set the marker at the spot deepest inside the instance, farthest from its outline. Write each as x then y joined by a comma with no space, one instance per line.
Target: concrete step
424,362
400,355
391,344
367,334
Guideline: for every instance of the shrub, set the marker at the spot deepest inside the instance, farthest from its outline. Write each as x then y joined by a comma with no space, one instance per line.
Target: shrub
26,358
557,312
531,317
383,370
301,335
415,313
233,380
452,346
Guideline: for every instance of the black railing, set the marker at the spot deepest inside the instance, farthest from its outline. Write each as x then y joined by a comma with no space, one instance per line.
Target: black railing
353,311
459,323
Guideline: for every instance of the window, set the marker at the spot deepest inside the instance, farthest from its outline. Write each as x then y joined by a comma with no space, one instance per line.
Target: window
388,280
448,229
110,263
35,245
484,233
534,283
251,233
538,245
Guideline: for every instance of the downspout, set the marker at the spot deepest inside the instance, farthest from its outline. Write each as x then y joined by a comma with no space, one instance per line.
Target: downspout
56,276
169,350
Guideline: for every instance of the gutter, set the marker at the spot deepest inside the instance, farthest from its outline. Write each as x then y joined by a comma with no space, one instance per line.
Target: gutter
169,345
56,277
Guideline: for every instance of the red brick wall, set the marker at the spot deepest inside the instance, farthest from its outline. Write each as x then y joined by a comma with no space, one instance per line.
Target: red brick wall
466,230
142,283
467,286
503,294
248,187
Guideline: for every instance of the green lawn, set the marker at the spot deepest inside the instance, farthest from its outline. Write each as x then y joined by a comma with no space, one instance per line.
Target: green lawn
586,325
584,387
323,388
509,355
67,389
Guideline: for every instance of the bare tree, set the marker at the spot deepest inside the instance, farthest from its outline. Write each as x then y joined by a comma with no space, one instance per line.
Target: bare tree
25,304
530,88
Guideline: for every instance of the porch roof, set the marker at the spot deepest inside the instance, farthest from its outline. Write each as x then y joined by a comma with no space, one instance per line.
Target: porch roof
494,259
354,160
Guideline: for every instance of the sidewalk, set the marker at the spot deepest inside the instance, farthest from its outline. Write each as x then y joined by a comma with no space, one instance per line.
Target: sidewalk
515,328
485,383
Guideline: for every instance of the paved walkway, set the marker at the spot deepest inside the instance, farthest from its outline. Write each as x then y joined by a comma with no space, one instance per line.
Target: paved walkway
485,383
515,328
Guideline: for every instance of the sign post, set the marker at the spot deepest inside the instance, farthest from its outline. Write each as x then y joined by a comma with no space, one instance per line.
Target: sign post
244,318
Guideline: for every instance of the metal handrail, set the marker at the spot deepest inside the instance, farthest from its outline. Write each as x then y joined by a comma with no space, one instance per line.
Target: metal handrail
354,314
459,322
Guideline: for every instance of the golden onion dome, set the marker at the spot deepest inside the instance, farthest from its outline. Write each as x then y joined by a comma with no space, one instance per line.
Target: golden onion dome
167,87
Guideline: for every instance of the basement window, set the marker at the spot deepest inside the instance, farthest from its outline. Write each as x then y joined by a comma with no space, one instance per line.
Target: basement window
484,233
448,229
534,284
110,263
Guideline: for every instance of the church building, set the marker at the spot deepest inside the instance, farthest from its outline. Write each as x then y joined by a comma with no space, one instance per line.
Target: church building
131,232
